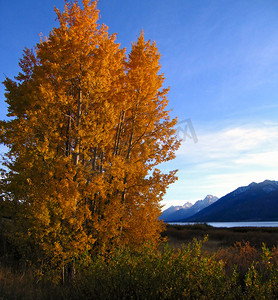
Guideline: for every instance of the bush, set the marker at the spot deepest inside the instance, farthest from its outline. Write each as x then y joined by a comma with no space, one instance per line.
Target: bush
152,274
239,272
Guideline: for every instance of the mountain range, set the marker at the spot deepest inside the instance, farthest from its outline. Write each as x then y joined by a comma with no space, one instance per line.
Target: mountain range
177,213
255,202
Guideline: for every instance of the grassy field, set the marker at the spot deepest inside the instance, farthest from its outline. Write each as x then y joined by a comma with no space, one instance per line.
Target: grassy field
219,238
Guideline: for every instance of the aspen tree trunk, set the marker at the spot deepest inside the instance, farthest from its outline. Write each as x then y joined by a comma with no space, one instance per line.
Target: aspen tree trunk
68,135
101,162
118,133
63,273
94,159
128,157
130,146
71,270
77,139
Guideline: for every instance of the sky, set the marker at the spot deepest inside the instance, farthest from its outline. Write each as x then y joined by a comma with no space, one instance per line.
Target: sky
220,58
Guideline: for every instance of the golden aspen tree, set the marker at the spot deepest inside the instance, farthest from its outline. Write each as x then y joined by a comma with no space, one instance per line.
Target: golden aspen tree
146,137
88,127
63,109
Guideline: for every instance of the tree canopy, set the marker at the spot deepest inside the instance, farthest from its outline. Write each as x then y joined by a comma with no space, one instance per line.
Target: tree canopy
88,126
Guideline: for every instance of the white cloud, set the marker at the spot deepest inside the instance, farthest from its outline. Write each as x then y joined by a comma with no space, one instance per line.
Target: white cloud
231,143
223,160
264,159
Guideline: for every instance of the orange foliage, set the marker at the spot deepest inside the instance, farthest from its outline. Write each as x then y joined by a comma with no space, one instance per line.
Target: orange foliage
242,255
89,128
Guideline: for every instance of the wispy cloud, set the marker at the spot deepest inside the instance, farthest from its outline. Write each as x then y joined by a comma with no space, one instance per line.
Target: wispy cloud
223,160
232,143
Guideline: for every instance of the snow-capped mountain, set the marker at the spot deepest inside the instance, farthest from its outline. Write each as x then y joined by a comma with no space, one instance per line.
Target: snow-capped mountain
176,213
255,202
201,204
172,209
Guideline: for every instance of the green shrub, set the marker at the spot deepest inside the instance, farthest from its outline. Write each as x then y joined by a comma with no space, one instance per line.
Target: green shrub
239,272
152,274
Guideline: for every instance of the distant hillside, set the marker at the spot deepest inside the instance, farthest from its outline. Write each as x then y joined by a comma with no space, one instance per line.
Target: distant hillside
177,213
173,209
255,202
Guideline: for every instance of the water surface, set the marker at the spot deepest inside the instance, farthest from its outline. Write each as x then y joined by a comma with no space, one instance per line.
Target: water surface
234,224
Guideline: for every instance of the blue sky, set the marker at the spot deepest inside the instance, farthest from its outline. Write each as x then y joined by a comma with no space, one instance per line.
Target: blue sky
220,58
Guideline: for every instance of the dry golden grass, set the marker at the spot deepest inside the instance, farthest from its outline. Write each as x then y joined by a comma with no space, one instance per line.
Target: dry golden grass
219,238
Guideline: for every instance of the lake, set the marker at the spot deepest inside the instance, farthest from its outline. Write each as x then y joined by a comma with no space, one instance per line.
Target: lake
234,224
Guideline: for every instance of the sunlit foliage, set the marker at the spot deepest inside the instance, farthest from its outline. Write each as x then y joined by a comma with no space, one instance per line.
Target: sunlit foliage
88,126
